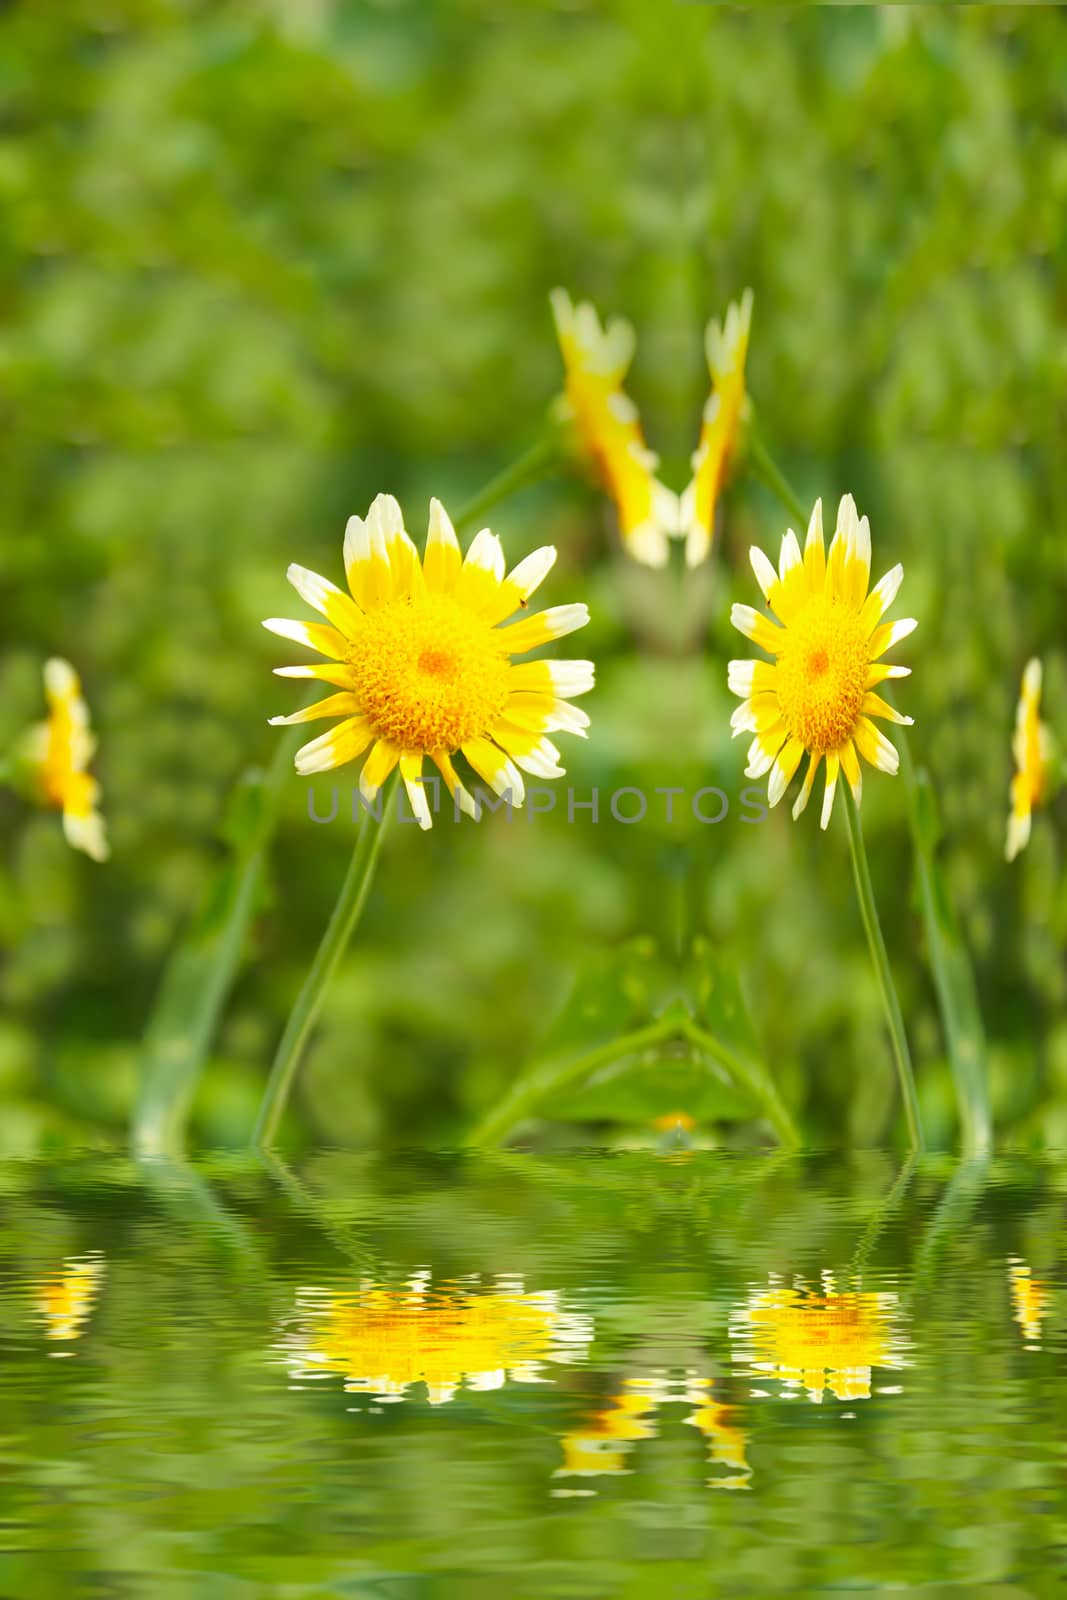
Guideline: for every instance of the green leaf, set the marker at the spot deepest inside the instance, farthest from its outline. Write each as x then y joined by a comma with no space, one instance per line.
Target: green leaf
670,1078
722,1028
609,1017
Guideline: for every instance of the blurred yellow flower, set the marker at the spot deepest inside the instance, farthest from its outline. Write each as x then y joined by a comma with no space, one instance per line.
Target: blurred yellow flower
726,1441
817,695
58,753
608,430
828,1341
383,1340
726,346
423,666
674,1122
604,1441
1029,1299
1032,749
66,1297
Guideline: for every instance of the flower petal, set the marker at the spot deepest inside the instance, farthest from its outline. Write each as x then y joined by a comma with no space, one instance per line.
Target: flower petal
815,551
786,763
545,626
442,561
521,583
411,777
456,789
335,705
761,630
833,766
764,749
881,598
496,769
563,679
534,753
316,636
804,796
850,766
325,597
875,706
377,767
482,573
336,747
874,747
366,563
889,634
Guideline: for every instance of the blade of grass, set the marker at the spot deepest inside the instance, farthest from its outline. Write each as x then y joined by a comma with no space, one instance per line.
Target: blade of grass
201,971
950,965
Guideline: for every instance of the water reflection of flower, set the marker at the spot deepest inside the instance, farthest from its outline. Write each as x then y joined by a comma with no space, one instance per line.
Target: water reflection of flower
66,1297
383,1340
1030,1300
823,1340
602,1444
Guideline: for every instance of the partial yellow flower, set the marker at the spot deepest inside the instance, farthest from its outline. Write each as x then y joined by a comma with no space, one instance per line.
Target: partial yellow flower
603,1441
1032,749
66,1298
823,1341
1030,1298
727,1443
726,346
609,432
382,1340
606,1437
424,666
58,753
817,697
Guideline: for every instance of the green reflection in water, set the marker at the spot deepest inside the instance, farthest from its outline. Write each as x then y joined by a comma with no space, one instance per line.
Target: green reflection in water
449,1375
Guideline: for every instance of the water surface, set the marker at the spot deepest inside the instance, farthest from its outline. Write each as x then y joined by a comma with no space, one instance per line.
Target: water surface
591,1375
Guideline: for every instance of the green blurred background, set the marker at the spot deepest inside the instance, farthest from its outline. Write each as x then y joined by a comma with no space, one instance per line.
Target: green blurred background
263,260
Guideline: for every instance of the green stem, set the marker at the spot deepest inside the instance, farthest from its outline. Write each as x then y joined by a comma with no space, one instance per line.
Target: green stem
894,1017
534,464
886,1211
950,964
744,1072
346,914
767,472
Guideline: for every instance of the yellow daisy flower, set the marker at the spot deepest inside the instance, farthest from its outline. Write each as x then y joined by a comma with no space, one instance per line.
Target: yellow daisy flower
1032,749
58,753
423,666
609,433
1030,1299
726,346
818,694
65,1300
828,1341
383,1340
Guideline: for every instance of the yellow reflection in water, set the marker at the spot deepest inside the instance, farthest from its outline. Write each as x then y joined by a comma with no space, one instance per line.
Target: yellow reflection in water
825,1340
605,1439
1030,1298
382,1340
66,1297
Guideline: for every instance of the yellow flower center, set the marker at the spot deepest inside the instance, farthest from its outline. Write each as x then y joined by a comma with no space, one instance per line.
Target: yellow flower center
430,675
822,674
